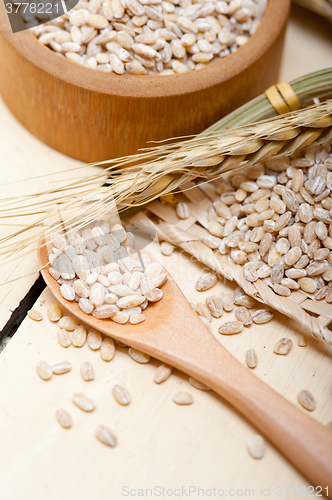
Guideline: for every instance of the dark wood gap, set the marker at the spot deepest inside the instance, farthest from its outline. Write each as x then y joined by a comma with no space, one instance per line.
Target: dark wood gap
22,309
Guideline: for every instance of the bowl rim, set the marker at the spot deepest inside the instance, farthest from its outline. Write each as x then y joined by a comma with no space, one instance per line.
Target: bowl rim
150,86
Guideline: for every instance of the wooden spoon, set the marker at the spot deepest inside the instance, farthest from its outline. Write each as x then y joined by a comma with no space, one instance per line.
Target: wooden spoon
174,334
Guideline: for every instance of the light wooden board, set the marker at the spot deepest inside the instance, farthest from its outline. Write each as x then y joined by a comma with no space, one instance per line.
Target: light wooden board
160,444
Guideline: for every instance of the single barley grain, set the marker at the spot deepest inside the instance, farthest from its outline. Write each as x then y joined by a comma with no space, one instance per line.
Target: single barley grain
242,314
54,312
215,306
231,327
67,292
83,402
302,342
262,316
205,282
64,418
182,210
121,395
256,446
87,371
183,398
60,367
162,373
203,310
283,346
107,349
35,315
227,301
198,384
245,301
106,436
68,323
251,358
138,356
306,399
94,340
63,338
79,336
44,370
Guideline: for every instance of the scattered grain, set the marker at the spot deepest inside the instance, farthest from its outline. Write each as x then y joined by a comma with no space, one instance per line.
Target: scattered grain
64,418
138,356
121,395
83,402
54,312
60,367
183,398
283,346
251,358
44,370
256,446
306,399
106,436
162,373
35,315
87,371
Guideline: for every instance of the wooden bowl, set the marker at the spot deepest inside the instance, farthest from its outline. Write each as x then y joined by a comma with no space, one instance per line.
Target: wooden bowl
94,116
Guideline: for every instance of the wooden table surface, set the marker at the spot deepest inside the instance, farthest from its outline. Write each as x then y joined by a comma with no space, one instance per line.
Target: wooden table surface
161,445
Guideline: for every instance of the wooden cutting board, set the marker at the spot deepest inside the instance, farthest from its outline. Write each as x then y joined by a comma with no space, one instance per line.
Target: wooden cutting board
161,444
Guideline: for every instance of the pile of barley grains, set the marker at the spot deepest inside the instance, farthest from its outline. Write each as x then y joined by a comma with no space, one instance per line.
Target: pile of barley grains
156,37
98,268
276,221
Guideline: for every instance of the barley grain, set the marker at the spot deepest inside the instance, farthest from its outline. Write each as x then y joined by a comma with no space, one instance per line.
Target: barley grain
167,248
283,346
121,395
262,316
205,282
35,315
138,356
106,436
251,358
83,402
162,373
307,400
64,418
87,372
63,338
44,370
198,384
94,340
183,398
60,367
256,446
68,323
243,315
227,301
231,327
215,306
302,342
54,312
107,349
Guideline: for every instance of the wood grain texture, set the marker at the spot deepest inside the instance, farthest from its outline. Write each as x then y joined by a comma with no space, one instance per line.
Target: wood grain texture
173,333
93,116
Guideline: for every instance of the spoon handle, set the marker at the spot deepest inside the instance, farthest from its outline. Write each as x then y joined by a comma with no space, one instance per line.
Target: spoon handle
303,440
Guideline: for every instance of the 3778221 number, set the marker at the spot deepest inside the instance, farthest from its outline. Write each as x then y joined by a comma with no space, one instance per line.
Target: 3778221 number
33,8
303,491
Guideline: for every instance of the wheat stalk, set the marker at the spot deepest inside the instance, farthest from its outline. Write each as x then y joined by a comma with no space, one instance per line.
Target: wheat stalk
131,182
